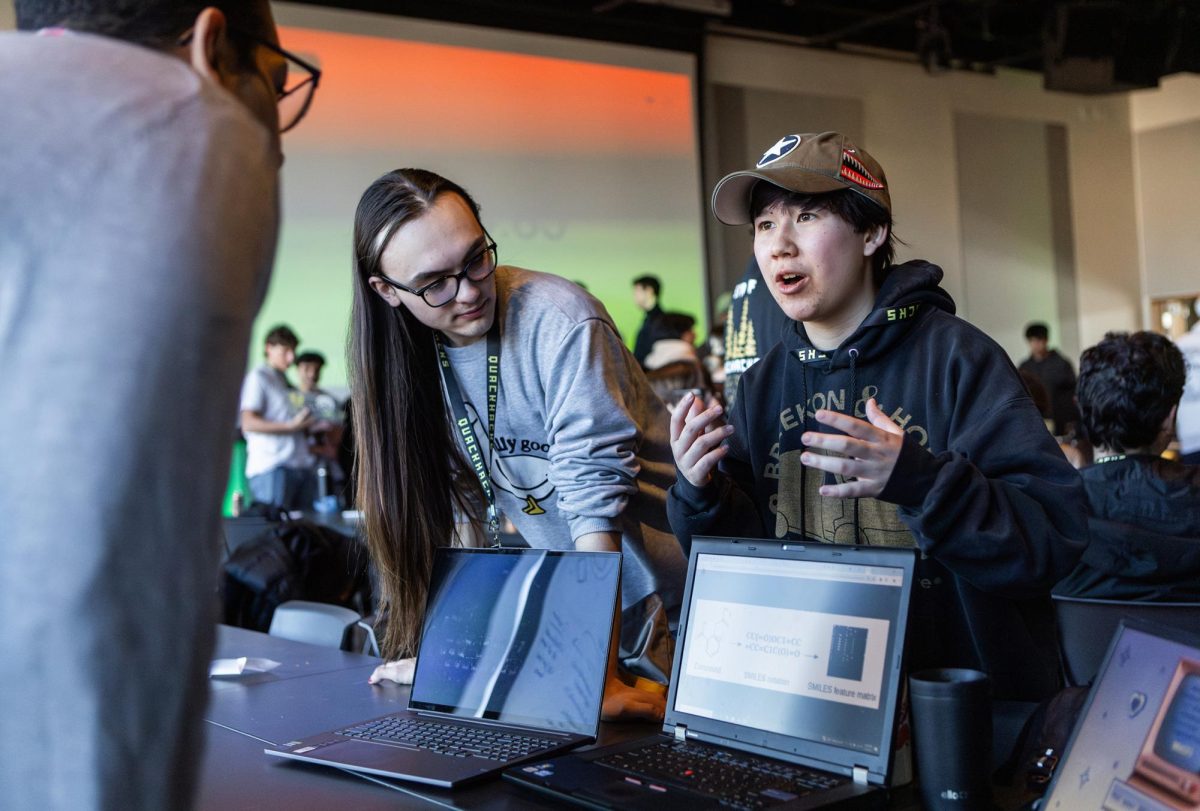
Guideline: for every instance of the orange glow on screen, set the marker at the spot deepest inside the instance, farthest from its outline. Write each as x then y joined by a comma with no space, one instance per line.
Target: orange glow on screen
381,92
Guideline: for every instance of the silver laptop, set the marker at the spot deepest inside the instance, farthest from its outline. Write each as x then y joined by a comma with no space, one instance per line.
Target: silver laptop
785,688
1137,745
511,666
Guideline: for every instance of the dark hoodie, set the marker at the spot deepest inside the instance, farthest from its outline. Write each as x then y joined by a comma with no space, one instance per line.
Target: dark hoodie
1144,517
980,486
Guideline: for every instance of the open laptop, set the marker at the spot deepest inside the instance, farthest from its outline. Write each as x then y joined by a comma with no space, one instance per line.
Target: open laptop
785,688
511,666
1136,746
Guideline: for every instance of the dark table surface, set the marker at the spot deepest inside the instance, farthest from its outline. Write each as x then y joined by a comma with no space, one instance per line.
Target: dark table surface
315,689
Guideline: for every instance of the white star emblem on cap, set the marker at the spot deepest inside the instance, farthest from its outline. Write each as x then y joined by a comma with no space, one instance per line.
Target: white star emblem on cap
783,146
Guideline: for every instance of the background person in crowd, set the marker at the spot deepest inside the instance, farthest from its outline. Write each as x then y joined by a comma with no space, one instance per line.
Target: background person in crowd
275,421
1188,419
1143,510
1076,449
308,371
755,324
574,450
139,161
646,292
712,350
325,434
323,405
1057,378
883,419
677,344
673,366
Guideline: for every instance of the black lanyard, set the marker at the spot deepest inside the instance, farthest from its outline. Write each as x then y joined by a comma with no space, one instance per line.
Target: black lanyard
463,421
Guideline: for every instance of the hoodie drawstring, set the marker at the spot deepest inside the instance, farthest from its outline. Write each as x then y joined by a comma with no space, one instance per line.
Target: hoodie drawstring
851,400
853,354
803,467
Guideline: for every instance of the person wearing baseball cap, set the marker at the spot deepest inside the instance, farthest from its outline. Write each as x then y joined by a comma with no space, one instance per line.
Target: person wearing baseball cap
881,418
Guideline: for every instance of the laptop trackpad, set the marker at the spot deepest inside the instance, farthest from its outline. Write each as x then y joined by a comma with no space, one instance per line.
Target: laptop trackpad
364,755
620,794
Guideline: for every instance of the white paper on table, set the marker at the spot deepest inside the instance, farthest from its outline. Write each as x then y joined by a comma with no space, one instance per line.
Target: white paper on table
241,665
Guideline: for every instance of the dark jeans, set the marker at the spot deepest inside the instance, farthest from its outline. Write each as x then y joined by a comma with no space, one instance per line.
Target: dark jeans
292,488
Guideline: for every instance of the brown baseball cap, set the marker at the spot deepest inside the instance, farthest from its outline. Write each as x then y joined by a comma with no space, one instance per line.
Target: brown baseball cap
809,163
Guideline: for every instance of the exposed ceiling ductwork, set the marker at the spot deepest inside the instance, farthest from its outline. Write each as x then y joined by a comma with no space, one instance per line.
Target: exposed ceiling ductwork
1084,46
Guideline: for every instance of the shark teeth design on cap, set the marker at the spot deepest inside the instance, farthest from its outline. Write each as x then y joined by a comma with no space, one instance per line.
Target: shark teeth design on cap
855,172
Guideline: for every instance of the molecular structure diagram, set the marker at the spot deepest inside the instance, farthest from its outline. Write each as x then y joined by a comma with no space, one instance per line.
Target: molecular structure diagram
711,633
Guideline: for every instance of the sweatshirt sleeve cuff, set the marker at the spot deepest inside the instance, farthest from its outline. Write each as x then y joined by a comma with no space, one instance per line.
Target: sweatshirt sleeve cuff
913,476
583,525
696,499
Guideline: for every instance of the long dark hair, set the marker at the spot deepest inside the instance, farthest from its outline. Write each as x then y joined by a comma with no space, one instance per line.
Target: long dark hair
411,475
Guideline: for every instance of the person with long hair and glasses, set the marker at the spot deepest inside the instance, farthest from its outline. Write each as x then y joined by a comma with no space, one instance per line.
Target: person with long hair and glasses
479,390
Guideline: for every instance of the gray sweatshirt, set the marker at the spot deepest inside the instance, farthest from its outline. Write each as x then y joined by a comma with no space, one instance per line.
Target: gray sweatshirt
582,442
138,213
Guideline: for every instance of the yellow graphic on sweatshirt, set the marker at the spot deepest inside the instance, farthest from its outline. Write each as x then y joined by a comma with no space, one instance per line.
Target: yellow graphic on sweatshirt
830,519
519,466
742,343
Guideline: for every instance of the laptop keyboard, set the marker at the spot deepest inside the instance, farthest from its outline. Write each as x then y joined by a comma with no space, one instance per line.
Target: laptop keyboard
734,778
451,739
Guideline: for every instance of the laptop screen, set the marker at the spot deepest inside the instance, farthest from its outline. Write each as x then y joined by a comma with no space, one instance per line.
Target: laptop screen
518,636
1138,743
802,648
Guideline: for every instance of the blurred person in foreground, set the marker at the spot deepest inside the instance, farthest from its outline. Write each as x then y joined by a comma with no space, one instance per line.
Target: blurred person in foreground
139,162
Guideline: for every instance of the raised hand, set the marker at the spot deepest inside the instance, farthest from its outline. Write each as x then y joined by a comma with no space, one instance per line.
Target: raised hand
870,450
696,437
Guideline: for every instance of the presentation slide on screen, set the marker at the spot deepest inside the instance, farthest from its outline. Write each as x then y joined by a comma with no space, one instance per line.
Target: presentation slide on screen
833,657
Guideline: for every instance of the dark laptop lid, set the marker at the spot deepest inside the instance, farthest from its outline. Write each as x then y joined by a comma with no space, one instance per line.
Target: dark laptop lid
793,650
1137,743
518,636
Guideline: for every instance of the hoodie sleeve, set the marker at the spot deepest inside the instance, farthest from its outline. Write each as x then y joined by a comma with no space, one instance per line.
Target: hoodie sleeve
1001,507
723,506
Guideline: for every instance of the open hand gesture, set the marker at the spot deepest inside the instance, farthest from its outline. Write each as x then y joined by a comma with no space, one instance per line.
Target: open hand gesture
696,437
870,450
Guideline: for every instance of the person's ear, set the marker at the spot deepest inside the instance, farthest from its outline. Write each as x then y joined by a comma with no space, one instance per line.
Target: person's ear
385,291
1167,428
874,237
209,48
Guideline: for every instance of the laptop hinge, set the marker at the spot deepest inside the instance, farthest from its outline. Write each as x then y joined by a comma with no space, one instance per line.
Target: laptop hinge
681,732
859,774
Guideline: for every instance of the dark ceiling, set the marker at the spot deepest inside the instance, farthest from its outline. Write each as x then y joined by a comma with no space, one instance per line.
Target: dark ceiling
1079,45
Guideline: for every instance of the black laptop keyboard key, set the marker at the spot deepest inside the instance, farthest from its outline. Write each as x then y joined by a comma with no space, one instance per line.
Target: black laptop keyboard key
737,779
450,739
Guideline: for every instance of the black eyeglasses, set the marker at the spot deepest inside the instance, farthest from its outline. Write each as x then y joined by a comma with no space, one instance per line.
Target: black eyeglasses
298,88
295,94
442,291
